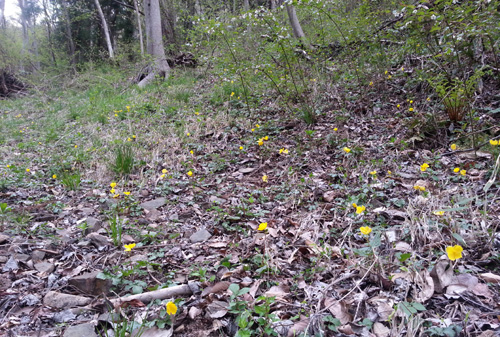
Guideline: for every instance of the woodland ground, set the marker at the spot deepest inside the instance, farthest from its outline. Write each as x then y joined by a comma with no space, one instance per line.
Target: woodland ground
196,144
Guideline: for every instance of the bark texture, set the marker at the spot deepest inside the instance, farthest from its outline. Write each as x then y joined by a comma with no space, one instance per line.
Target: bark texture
105,28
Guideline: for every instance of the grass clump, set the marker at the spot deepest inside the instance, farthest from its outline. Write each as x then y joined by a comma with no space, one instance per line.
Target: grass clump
124,160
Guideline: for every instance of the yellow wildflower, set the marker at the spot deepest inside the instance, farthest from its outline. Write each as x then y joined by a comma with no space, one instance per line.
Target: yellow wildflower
262,226
264,178
257,126
397,106
456,169
162,176
191,152
374,172
232,94
455,252
266,138
253,130
112,191
129,247
424,167
261,142
113,184
419,188
453,147
241,147
347,150
438,213
365,230
27,170
171,308
188,134
411,109
335,129
360,209
126,193
190,173
494,142
133,136
54,176
463,172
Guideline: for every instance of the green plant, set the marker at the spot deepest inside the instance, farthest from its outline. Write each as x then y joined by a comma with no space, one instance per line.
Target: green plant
124,160
4,212
71,180
115,230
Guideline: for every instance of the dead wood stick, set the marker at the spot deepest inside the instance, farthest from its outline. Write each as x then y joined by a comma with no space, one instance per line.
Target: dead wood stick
160,294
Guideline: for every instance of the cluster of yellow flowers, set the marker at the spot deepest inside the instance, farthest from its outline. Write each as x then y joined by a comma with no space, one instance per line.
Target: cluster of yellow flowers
261,140
285,151
114,192
458,170
419,188
494,142
359,209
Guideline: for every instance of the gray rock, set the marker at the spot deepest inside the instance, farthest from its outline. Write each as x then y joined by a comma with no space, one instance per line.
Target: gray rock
44,267
30,300
86,329
37,255
100,241
89,283
93,225
200,236
61,301
4,238
10,265
64,316
153,204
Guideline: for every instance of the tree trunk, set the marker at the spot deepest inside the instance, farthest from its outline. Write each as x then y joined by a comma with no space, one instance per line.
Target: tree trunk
49,32
272,4
197,8
298,33
69,35
246,5
2,14
24,25
105,28
154,46
139,26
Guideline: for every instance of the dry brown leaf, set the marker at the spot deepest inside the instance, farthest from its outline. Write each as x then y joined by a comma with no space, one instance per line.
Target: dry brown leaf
442,275
490,277
277,291
338,309
217,309
298,327
255,287
381,330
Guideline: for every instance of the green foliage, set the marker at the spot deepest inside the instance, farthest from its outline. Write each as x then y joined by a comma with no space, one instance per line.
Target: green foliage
124,160
116,230
71,179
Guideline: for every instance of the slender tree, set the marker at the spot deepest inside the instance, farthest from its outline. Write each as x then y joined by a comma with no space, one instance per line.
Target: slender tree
139,26
105,28
159,65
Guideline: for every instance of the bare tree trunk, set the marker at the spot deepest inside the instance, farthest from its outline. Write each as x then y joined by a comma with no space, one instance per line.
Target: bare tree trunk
105,28
154,46
298,33
197,8
69,35
3,23
34,44
246,5
24,25
139,26
272,4
49,31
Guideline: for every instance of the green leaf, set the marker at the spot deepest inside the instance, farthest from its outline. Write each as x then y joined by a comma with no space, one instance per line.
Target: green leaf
419,306
234,289
459,239
243,291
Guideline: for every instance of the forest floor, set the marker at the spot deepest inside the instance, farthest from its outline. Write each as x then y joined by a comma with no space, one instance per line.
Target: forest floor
208,175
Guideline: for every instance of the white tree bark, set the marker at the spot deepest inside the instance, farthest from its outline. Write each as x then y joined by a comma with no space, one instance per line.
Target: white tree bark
154,46
294,22
139,26
105,28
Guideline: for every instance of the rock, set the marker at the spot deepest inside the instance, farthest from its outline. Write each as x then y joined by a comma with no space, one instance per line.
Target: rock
93,225
64,316
44,267
87,210
216,200
30,300
200,236
10,265
86,329
153,215
61,301
100,241
4,238
89,283
153,204
37,255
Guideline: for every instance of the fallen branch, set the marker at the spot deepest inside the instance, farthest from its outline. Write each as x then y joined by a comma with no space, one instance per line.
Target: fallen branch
160,294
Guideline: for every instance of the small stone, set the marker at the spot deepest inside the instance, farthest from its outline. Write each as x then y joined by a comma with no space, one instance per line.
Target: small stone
89,283
61,301
4,238
10,265
200,236
100,241
37,255
216,200
86,329
93,225
30,300
87,210
44,267
64,316
153,204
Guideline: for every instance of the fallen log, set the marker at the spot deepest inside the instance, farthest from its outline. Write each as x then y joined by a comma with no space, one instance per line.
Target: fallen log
161,294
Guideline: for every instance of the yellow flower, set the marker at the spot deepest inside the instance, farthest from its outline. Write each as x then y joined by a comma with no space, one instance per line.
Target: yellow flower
162,176
428,99
128,108
129,247
241,147
438,213
374,172
164,171
8,166
411,102
116,115
171,308
112,191
389,77
188,134
191,152
285,151
365,230
266,138
456,169
453,147
116,195
126,193
257,126
190,173
335,129
197,113
424,167
113,184
494,142
261,142
262,226
347,150
419,188
354,205
133,136
129,139
360,209
397,106
253,130
232,94
386,72
371,83
389,173
264,178
463,172
27,170
411,109
54,176
455,252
